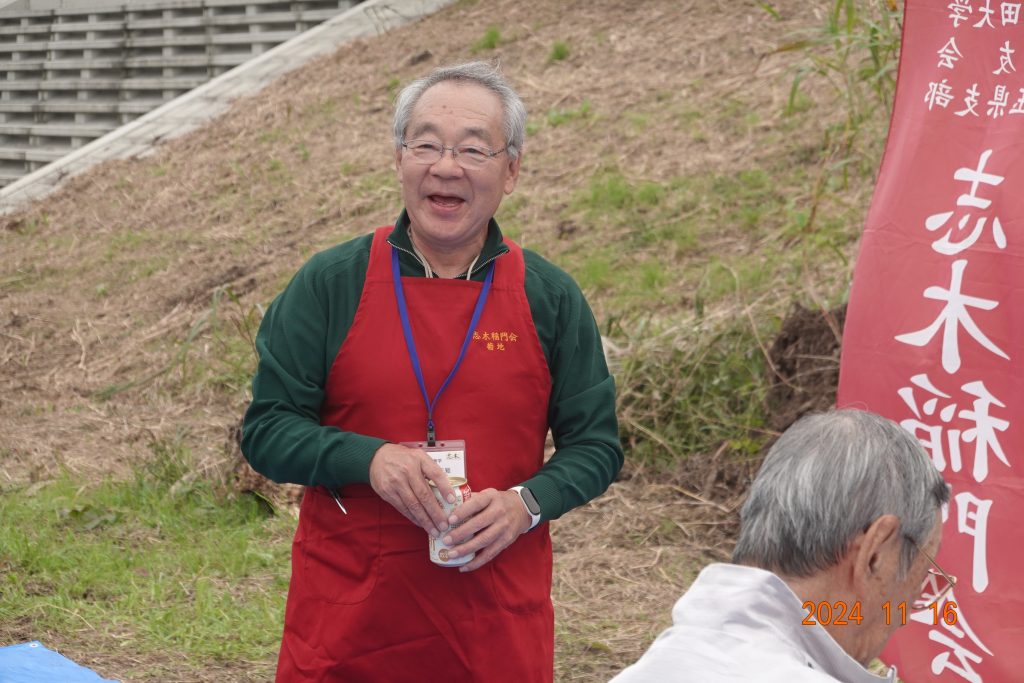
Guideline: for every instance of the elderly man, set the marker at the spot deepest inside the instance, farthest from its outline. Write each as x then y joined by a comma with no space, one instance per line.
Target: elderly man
845,512
432,342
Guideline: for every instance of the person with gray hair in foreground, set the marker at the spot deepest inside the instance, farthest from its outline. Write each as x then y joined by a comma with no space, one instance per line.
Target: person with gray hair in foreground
845,512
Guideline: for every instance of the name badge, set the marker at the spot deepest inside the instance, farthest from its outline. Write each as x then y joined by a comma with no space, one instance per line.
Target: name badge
450,456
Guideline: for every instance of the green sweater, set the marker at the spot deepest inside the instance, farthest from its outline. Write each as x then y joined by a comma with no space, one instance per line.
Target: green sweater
305,326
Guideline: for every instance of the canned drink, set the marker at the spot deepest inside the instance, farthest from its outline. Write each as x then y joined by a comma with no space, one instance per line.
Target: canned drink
438,548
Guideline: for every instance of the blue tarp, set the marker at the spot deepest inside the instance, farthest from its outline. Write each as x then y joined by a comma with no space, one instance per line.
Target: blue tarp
33,663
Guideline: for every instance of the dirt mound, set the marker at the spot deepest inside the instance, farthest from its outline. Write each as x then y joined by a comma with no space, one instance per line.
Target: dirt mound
804,362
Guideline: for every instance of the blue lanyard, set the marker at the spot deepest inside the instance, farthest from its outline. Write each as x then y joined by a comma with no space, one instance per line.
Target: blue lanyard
403,313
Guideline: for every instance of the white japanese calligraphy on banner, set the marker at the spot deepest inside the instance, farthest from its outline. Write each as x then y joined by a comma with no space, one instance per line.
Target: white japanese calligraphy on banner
935,325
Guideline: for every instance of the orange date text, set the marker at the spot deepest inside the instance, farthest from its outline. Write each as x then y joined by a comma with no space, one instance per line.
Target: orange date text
839,613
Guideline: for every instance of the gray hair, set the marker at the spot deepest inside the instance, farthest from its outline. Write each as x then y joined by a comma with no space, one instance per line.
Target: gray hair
481,73
826,479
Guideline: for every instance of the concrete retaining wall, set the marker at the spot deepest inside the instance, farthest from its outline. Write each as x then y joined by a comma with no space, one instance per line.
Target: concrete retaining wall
74,70
198,106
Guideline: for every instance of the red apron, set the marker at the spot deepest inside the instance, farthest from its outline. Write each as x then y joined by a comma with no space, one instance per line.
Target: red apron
365,602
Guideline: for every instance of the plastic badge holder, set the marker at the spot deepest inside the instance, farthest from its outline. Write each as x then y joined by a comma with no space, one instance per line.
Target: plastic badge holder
450,455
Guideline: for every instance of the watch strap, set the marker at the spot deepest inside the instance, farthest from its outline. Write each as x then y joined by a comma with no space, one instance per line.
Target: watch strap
534,518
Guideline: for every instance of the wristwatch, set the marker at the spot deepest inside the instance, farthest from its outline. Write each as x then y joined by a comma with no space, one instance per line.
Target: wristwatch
532,506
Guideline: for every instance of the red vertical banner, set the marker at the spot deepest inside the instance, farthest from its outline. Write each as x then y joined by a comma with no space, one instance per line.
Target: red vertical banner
934,333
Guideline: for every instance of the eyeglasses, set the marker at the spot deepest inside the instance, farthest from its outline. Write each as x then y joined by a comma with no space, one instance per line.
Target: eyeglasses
469,157
936,584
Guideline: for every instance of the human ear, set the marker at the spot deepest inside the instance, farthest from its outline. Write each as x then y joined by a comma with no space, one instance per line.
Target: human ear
877,551
513,173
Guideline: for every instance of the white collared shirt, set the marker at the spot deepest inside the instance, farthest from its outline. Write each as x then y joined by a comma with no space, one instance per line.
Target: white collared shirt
739,623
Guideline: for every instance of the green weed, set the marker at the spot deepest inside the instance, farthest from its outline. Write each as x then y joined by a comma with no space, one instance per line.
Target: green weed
652,275
637,120
489,41
24,278
611,193
557,117
271,136
129,242
393,85
855,53
229,360
690,121
746,198
508,215
559,51
596,273
325,109
774,13
277,168
28,226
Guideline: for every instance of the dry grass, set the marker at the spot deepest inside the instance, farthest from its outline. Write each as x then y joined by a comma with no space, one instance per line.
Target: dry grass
625,558
115,332
103,282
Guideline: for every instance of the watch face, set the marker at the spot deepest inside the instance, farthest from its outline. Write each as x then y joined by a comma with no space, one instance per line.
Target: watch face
531,503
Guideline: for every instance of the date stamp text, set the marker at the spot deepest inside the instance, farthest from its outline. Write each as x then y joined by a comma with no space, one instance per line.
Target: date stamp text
839,613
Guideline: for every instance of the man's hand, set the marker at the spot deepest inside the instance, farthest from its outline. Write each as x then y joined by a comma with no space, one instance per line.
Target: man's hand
399,475
493,519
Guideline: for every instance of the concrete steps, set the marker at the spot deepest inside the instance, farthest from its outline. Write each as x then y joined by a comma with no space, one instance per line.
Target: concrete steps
44,154
100,85
71,71
55,130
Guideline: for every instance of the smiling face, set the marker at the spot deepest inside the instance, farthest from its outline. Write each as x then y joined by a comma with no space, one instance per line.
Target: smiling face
449,207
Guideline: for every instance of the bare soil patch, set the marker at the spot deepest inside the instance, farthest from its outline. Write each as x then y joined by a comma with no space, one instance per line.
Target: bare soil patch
804,362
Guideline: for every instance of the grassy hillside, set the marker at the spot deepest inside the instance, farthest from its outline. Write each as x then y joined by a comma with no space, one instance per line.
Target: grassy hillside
670,166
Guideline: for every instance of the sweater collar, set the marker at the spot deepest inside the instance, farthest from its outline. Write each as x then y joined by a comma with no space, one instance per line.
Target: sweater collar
494,244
